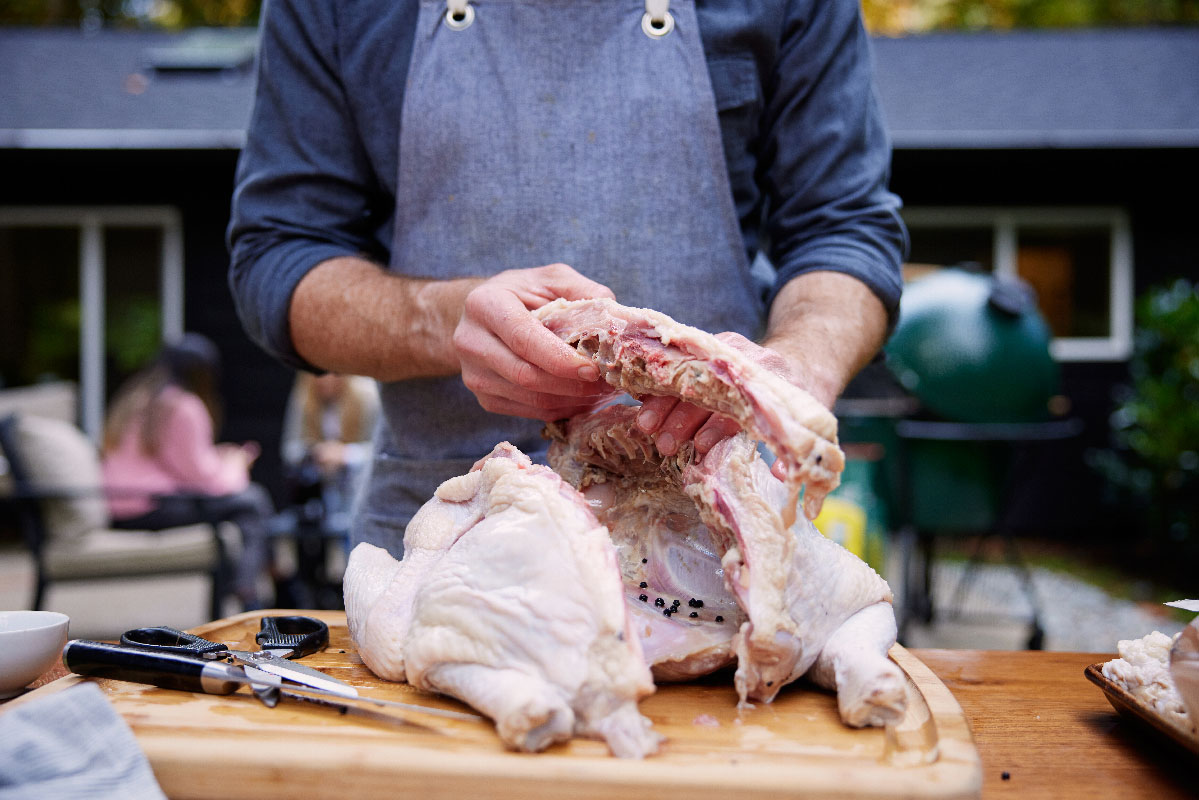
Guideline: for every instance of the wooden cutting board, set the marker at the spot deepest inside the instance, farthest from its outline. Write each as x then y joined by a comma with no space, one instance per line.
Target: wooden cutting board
205,746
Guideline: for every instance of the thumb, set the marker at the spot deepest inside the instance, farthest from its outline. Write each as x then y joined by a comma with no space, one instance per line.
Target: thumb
570,284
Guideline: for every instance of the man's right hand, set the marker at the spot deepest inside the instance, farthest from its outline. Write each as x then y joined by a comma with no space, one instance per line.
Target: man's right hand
352,316
512,363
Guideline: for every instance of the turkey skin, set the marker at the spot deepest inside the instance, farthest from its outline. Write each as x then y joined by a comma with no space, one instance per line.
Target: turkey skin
509,598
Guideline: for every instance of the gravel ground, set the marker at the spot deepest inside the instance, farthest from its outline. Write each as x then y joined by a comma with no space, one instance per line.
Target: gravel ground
1075,615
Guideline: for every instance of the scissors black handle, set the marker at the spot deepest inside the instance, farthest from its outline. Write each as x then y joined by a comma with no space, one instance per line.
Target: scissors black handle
171,640
300,635
152,665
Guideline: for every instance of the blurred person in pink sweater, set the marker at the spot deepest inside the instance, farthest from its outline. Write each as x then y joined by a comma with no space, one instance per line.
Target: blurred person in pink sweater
163,468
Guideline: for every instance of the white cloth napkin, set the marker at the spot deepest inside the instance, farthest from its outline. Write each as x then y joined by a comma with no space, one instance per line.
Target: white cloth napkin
71,744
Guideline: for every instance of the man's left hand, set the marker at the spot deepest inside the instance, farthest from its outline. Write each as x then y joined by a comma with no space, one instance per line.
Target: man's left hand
673,422
823,328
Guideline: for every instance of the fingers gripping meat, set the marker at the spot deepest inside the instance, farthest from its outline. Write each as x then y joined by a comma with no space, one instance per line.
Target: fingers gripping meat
644,352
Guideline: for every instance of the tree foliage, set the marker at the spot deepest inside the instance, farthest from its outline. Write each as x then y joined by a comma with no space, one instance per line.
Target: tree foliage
1154,464
897,17
171,14
888,17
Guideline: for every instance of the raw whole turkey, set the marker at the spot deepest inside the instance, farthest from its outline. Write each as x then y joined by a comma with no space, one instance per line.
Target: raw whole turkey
545,597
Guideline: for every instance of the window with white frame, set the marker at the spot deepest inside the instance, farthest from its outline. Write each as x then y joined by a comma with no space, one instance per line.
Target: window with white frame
87,294
1079,261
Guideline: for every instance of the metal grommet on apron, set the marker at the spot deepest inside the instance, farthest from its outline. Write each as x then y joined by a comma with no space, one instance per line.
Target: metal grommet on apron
657,20
459,14
555,132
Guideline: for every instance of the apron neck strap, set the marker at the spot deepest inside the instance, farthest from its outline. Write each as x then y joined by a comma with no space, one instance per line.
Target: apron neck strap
459,14
658,20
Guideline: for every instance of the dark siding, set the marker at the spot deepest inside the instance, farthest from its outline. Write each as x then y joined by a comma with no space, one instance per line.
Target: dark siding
1156,188
1152,185
199,184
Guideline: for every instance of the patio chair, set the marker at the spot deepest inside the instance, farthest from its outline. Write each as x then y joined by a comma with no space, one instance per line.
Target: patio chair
59,500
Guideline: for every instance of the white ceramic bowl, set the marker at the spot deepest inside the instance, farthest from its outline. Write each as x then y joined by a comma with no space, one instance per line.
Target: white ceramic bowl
30,643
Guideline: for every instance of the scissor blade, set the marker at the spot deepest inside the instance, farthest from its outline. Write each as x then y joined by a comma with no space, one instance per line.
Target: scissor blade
437,712
298,673
266,687
257,679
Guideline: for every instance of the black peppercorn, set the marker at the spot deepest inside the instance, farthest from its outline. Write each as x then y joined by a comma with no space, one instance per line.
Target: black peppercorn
693,614
667,612
659,602
645,561
695,603
644,585
642,598
719,618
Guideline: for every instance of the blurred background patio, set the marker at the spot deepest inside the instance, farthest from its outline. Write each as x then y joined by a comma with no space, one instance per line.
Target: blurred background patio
1023,465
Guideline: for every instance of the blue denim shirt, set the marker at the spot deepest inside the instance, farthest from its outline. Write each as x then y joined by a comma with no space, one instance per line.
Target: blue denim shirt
807,152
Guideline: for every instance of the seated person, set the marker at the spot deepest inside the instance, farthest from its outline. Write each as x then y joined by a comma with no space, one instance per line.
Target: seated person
327,439
159,453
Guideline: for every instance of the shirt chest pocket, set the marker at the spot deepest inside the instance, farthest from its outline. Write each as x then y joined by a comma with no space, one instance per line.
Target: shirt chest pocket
738,94
735,83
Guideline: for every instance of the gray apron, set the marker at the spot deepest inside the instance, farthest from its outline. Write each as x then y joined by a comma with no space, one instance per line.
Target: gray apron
543,131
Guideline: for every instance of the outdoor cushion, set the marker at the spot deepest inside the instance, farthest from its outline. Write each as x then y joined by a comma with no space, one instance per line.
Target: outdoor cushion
101,553
59,458
55,400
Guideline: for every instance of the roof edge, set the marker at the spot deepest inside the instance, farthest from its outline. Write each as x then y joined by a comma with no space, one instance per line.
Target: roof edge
121,139
235,139
1042,140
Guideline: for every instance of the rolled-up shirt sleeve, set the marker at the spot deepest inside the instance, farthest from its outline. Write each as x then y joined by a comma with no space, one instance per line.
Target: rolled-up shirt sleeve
304,182
826,155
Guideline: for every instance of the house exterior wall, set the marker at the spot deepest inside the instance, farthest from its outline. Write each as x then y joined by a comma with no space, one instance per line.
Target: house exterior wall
199,183
1152,187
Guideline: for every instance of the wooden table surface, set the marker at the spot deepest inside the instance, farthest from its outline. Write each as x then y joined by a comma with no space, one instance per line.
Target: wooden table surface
1036,718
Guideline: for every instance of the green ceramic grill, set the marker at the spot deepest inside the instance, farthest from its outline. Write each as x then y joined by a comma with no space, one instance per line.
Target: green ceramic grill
974,348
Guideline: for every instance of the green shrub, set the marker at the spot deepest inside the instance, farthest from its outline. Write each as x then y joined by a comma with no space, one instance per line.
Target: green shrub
1154,461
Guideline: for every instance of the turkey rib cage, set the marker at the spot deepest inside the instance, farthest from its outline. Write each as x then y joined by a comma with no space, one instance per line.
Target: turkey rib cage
645,352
